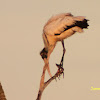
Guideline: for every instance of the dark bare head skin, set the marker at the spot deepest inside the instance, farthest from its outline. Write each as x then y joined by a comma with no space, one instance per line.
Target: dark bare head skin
44,53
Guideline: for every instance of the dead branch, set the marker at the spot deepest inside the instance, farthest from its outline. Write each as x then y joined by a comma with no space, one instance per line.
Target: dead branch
43,84
2,95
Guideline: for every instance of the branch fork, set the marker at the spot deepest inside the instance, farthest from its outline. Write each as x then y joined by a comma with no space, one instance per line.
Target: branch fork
43,84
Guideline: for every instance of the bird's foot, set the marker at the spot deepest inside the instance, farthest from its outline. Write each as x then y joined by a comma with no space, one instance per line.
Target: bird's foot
59,71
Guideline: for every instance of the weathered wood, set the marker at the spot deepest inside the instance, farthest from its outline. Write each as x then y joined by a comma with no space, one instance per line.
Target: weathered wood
2,94
43,84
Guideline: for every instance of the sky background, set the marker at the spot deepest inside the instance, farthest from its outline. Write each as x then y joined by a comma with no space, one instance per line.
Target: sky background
21,25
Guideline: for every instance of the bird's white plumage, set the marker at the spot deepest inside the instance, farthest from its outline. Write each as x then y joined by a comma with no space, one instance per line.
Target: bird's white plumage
53,18
58,23
58,28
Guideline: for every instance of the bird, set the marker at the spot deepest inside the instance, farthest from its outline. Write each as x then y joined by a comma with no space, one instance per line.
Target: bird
60,27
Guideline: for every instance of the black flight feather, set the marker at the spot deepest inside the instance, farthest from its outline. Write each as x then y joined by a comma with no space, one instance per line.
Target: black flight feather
82,24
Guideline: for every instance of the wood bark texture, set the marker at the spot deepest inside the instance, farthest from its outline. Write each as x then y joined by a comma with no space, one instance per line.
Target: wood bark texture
2,95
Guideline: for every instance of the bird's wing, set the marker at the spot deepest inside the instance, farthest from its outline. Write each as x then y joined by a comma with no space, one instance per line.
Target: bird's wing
62,22
54,18
58,23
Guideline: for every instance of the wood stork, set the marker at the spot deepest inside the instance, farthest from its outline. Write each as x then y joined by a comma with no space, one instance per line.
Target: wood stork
58,28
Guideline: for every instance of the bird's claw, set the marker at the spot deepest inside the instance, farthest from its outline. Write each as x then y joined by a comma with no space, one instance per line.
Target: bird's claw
60,70
59,65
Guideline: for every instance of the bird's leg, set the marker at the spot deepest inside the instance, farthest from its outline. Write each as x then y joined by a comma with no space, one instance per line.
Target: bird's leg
60,66
64,50
62,59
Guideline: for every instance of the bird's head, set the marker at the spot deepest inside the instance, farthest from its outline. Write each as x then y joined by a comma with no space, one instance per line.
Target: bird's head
44,53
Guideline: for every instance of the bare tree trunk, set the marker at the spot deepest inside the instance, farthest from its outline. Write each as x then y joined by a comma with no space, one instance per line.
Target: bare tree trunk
43,84
2,95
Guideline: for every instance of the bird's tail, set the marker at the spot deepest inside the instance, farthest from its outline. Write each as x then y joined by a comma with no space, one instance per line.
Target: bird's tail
82,24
